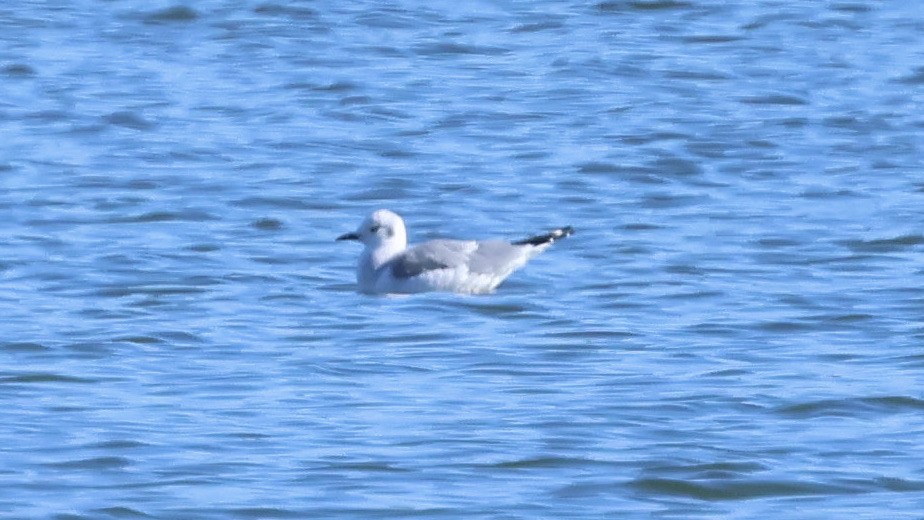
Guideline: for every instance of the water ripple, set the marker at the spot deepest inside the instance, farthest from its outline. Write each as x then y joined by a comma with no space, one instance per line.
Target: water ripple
734,331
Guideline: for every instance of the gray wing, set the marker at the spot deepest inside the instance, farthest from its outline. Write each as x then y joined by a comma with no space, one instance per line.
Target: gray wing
498,258
494,257
435,254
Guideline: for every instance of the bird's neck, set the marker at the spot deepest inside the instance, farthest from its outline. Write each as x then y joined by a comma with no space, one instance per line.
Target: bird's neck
371,261
384,252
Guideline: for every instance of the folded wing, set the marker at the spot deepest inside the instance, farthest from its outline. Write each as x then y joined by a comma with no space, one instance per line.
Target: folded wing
491,257
432,255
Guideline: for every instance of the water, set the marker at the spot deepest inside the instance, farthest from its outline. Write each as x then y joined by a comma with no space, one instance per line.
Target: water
735,330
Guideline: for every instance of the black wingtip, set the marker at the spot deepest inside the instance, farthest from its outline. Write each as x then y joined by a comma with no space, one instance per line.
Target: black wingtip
547,238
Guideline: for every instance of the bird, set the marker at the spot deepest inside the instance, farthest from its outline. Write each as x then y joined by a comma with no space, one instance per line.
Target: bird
388,266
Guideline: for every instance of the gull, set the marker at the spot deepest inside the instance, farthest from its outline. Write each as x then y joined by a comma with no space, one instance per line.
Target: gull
388,266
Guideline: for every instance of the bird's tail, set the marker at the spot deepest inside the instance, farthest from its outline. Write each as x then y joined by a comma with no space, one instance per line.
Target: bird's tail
546,239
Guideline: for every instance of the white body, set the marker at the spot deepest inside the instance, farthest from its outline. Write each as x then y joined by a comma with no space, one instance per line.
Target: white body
387,265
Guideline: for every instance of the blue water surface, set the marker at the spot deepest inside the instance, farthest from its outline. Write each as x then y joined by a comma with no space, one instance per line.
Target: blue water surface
736,330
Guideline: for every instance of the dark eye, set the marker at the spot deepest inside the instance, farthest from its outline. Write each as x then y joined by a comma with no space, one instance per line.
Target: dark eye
375,229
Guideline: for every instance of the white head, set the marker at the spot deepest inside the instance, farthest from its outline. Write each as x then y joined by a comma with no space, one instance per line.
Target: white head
381,228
